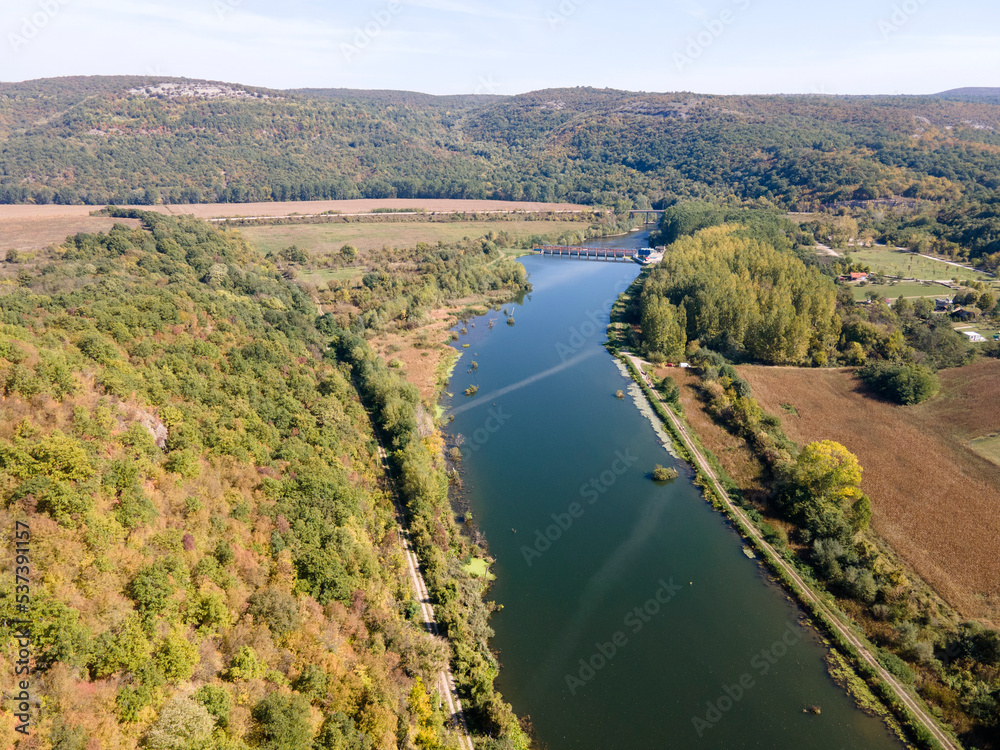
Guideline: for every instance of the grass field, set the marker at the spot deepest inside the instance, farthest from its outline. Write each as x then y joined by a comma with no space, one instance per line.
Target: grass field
479,568
323,275
935,497
987,447
909,265
902,289
320,239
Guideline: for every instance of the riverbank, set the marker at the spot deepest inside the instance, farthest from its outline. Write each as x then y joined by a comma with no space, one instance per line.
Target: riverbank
424,355
557,472
905,706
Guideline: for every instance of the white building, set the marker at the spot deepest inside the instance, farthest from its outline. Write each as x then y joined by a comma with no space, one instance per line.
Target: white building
974,337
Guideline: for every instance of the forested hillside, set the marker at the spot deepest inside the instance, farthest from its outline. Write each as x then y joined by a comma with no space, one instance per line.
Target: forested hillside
134,140
214,554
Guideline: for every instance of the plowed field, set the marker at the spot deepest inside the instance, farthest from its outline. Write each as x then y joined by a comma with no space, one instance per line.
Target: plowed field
935,499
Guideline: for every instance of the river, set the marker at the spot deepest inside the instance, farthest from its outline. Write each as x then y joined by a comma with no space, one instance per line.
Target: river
631,618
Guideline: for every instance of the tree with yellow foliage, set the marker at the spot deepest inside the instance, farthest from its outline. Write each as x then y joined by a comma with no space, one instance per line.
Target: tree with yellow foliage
821,490
428,729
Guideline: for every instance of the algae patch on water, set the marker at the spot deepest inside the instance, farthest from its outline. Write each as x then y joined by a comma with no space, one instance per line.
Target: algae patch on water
646,409
478,567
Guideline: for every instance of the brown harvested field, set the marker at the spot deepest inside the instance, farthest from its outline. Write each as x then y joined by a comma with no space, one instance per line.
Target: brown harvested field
27,227
33,233
935,500
289,208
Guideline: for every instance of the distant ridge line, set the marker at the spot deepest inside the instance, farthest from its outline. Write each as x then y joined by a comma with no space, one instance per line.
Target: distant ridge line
971,92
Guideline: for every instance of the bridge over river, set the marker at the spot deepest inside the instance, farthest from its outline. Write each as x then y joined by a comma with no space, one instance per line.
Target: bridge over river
594,253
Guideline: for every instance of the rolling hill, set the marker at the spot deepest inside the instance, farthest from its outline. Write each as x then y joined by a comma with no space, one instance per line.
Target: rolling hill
138,140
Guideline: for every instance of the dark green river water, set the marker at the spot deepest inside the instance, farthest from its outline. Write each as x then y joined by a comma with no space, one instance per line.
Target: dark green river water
631,617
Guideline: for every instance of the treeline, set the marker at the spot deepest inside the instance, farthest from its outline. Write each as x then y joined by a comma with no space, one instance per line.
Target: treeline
217,560
899,348
686,218
423,484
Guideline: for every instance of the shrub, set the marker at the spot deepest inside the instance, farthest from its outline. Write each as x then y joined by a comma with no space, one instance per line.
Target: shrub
64,736
979,643
98,348
210,611
664,474
59,456
224,553
192,505
246,665
58,634
130,701
184,462
150,589
860,584
139,440
134,509
339,732
177,656
903,383
921,651
123,649
670,390
897,666
313,681
64,503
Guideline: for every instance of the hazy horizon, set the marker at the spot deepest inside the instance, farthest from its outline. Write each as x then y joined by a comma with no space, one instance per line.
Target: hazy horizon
250,84
447,47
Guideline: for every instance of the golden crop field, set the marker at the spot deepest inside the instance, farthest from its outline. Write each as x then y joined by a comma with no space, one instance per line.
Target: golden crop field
319,239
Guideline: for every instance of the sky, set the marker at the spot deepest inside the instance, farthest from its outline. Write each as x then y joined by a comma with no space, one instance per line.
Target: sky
513,46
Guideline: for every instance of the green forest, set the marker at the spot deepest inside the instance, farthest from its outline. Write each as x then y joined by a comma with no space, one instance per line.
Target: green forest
934,162
738,282
214,549
737,294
